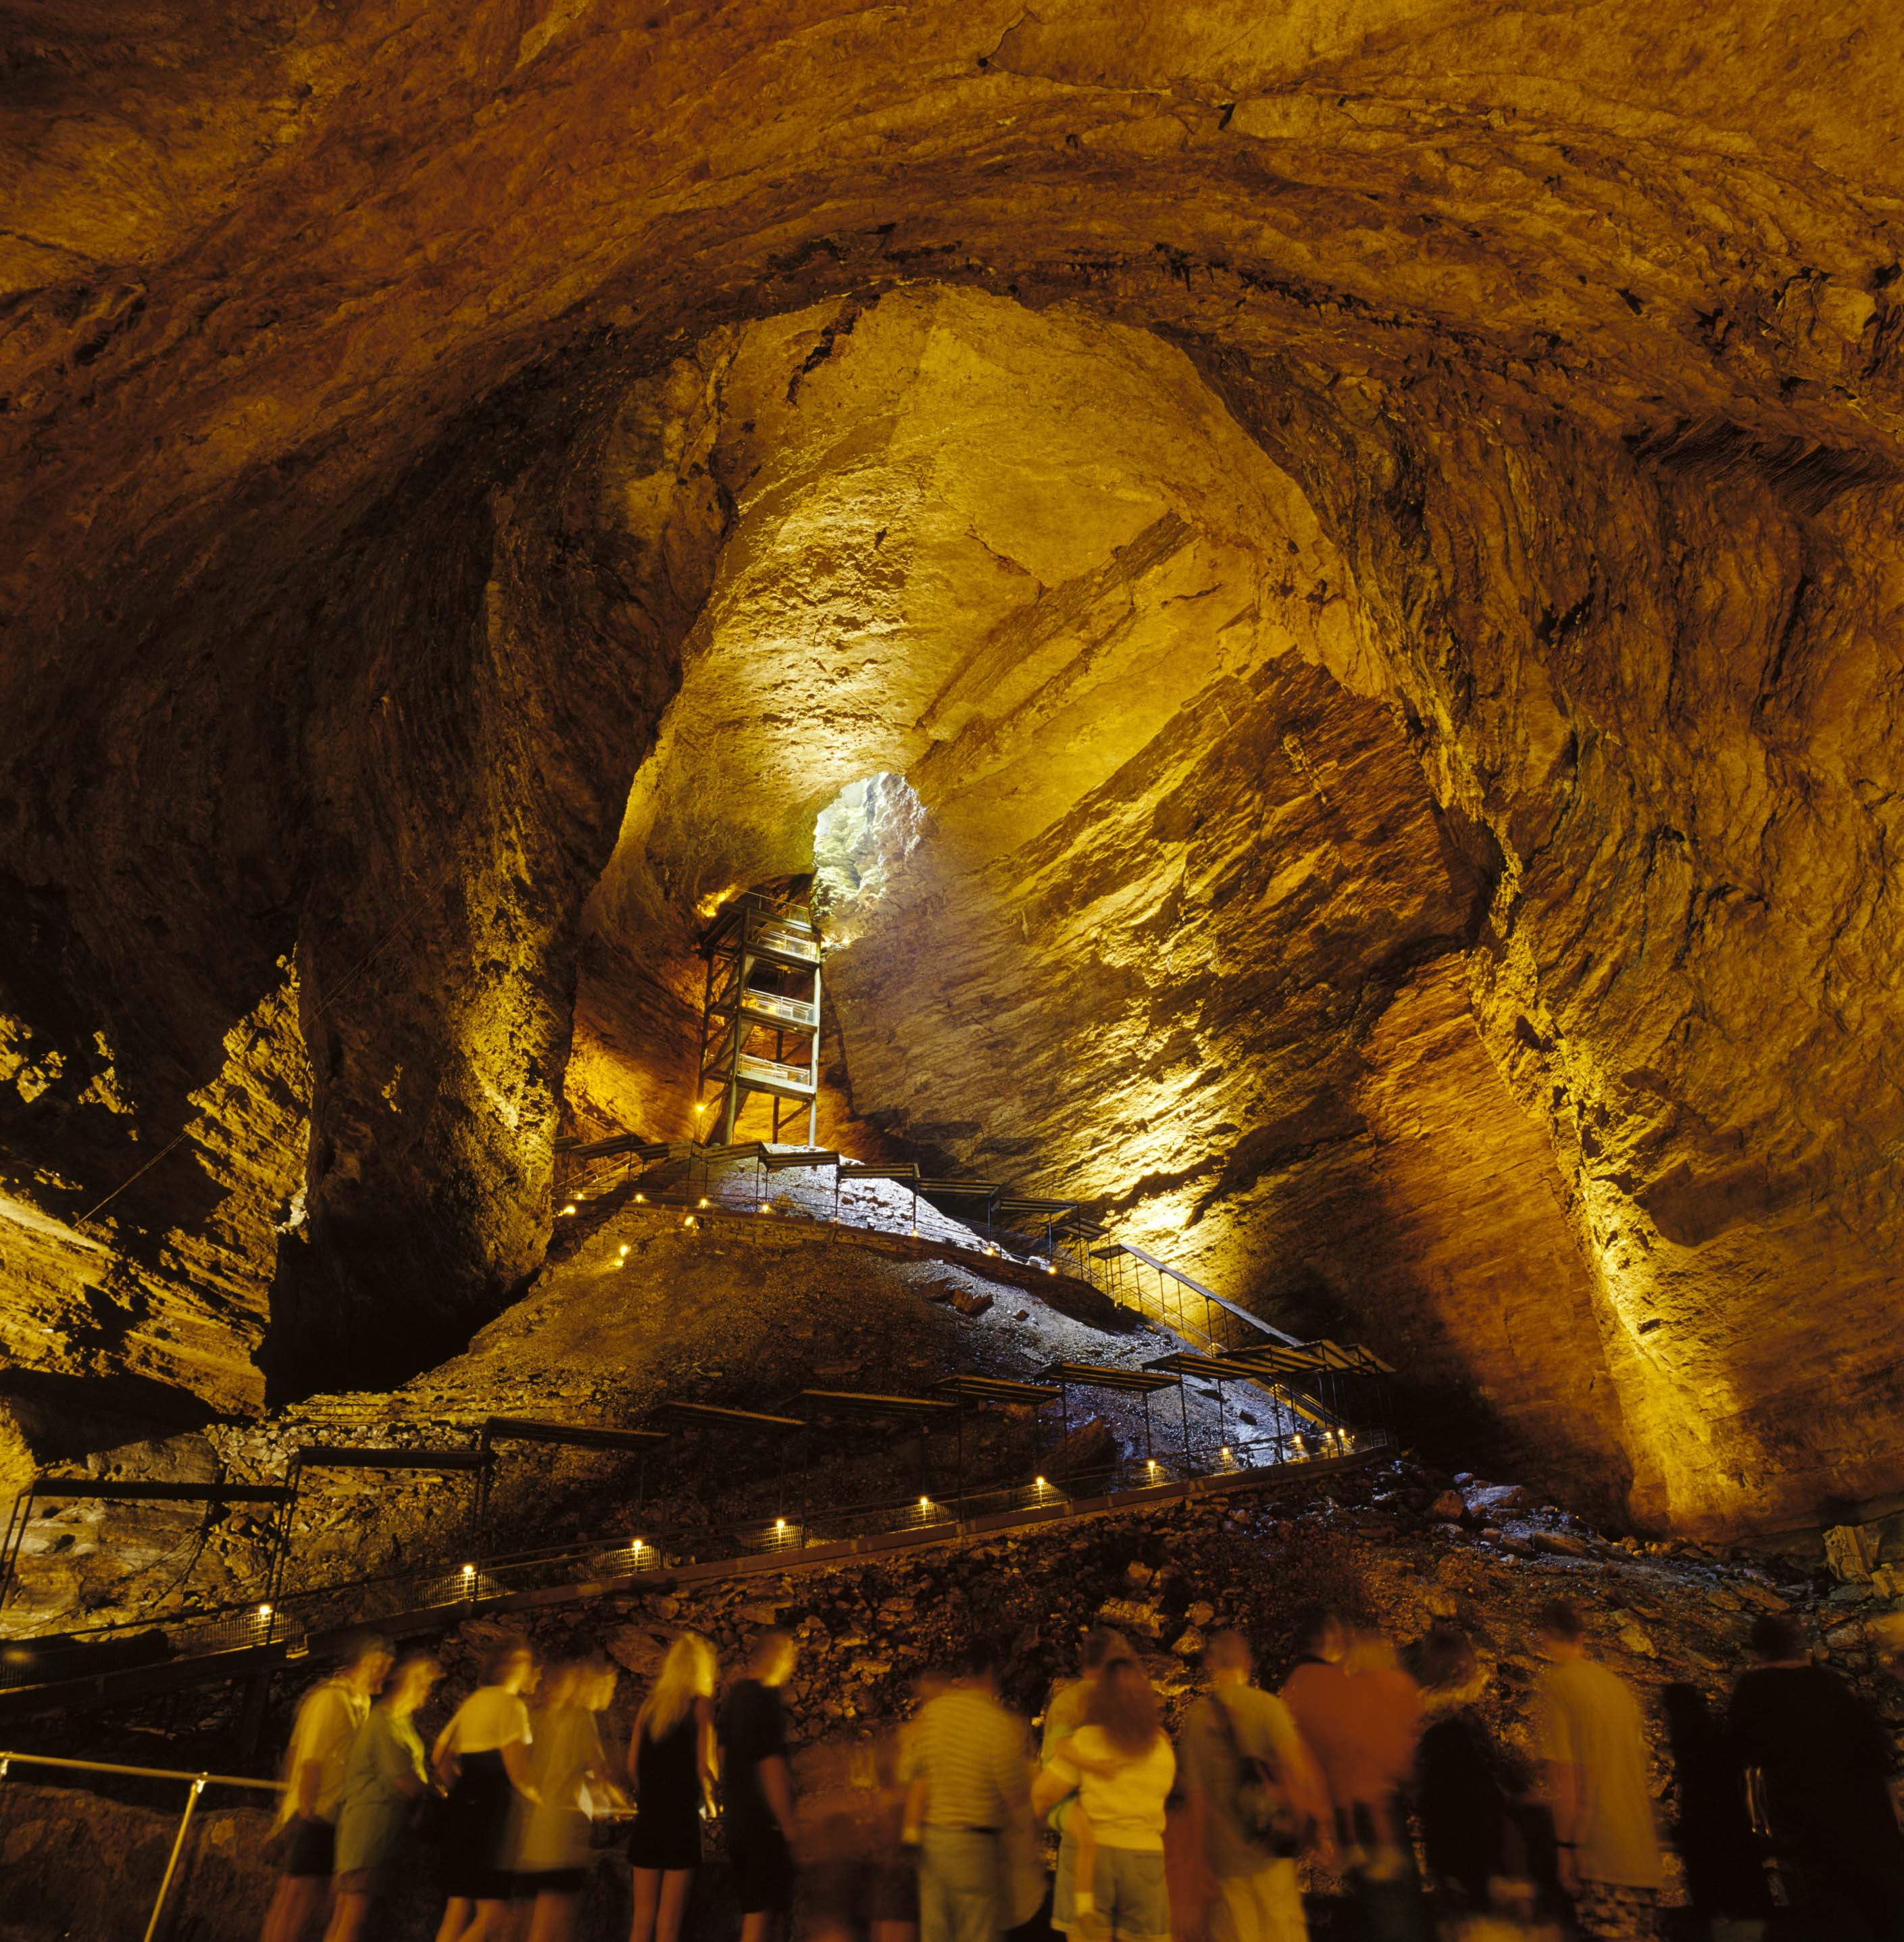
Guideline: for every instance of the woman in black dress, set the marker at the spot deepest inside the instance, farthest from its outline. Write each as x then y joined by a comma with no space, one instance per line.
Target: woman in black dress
483,1757
671,1765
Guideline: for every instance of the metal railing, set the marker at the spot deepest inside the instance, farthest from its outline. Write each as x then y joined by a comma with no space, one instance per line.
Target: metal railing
197,1782
752,1179
654,1543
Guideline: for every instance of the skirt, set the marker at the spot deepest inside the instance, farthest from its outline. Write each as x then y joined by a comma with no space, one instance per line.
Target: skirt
665,1840
475,1830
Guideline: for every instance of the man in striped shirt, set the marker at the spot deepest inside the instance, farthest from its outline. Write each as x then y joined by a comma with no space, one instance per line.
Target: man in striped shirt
968,1772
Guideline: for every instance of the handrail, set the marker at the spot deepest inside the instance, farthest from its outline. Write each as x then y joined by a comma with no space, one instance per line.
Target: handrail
797,1538
1209,1294
308,1612
6,1759
198,1782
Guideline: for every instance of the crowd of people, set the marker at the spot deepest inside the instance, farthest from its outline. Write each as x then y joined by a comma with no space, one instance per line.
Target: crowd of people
1381,1779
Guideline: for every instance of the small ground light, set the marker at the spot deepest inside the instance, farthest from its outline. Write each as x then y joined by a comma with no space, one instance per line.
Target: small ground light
570,1208
779,1523
469,1571
1042,1484
641,1199
264,1611
924,1502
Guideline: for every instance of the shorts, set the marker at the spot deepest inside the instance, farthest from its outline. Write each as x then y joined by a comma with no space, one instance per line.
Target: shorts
1132,1899
764,1870
1609,1913
382,1879
310,1847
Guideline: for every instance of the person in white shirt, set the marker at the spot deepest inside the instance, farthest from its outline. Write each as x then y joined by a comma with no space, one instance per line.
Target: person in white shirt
327,1719
483,1757
1120,1765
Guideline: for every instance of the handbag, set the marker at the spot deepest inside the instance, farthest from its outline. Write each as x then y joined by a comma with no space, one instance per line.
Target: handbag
1268,1817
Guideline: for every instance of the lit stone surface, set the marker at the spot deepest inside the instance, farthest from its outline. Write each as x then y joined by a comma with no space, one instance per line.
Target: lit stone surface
430,432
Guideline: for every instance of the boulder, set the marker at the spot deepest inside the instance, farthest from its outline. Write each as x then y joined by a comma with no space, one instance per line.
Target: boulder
1489,1501
1850,1550
1559,1544
1762,1597
1126,1615
641,1652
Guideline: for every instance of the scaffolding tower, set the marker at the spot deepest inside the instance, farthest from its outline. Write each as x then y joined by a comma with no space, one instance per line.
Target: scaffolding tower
763,977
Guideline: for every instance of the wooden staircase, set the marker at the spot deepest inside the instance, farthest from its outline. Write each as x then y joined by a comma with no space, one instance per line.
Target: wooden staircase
760,1019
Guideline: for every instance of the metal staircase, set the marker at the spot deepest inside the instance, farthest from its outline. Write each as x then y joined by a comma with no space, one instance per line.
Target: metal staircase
762,957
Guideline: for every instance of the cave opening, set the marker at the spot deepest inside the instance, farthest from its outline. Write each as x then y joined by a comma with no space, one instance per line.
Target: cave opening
862,839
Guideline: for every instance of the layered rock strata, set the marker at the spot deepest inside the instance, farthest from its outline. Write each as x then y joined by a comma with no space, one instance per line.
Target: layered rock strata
481,482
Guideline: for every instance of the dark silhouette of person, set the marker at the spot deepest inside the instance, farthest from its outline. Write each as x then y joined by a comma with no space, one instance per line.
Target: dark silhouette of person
1462,1805
1712,1828
1823,1763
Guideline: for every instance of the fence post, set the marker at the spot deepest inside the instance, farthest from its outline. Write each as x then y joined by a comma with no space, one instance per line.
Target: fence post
171,1865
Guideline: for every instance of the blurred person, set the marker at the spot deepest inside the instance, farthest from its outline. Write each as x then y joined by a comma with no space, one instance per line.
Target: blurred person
1589,1736
1823,1763
552,1851
1120,1765
1359,1714
859,1876
482,1757
329,1717
1463,1804
1065,1714
967,1767
762,1824
385,1777
1712,1827
1255,1800
673,1764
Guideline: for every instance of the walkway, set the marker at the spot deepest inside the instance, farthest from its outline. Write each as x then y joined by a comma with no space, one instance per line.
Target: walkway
762,1547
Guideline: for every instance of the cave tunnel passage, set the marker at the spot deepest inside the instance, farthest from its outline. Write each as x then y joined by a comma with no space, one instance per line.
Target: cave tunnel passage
1012,624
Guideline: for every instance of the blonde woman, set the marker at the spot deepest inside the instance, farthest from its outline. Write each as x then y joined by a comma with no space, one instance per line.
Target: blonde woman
553,1857
482,1758
672,1765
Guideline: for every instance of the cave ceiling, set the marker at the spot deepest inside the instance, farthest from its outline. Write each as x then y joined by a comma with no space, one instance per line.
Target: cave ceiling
1372,532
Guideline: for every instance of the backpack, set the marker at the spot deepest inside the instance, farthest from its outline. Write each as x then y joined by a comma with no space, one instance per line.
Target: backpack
1268,1817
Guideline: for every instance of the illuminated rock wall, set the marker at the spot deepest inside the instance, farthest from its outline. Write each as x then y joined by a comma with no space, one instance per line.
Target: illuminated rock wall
1373,537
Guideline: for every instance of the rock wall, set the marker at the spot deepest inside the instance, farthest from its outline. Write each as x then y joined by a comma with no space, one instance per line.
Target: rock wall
429,394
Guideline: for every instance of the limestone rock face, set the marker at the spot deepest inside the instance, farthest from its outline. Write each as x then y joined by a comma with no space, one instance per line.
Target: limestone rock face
1371,540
